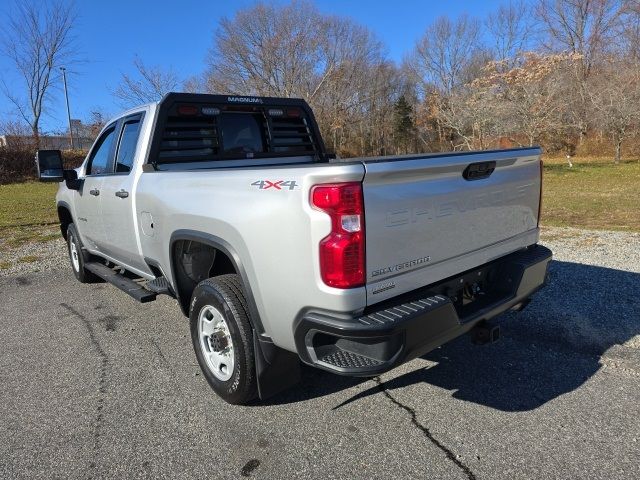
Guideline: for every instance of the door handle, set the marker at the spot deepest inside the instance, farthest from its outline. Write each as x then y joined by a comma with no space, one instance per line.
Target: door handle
122,194
476,171
95,192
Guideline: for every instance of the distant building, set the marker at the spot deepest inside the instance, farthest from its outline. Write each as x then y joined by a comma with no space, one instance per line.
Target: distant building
47,142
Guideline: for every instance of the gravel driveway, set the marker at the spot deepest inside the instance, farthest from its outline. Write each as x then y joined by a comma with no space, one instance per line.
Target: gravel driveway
95,385
31,257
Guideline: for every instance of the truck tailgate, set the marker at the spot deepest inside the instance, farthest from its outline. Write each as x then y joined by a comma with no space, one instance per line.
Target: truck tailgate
425,221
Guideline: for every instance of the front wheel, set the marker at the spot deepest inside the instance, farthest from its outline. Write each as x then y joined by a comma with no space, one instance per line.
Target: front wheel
223,339
78,257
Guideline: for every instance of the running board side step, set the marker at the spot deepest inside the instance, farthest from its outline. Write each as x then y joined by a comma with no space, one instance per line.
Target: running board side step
160,286
118,280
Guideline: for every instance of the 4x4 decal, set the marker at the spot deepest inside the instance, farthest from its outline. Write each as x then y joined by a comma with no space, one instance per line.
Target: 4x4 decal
277,184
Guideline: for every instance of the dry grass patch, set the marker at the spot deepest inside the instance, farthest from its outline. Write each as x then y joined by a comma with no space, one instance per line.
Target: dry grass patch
592,195
29,259
552,234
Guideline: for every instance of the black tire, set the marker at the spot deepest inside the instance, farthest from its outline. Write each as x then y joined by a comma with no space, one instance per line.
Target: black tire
225,294
83,275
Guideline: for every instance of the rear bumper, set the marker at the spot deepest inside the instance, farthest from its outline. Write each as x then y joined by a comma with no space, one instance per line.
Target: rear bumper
404,328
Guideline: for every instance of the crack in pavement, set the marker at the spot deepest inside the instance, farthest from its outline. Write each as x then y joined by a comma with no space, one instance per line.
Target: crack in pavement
165,363
102,381
427,433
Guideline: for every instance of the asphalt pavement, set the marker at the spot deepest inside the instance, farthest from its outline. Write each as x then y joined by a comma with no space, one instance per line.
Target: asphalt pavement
94,385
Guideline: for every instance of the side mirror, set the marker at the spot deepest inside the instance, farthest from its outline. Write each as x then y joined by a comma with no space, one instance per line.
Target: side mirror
72,180
50,169
49,164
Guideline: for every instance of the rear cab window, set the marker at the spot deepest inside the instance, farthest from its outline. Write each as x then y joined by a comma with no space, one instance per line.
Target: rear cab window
128,142
242,133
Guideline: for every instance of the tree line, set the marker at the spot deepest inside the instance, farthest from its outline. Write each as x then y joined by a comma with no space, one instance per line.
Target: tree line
564,74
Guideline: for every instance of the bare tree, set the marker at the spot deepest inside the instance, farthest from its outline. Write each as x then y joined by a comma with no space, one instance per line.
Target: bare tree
450,112
584,27
196,84
510,28
38,40
465,88
533,95
470,116
445,62
149,84
353,79
631,30
266,50
95,122
293,50
373,112
445,52
615,104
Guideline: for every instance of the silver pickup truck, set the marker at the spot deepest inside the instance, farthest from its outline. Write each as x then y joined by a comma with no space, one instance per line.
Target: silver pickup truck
280,254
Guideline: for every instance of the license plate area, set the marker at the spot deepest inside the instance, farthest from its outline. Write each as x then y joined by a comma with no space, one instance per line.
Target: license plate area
473,291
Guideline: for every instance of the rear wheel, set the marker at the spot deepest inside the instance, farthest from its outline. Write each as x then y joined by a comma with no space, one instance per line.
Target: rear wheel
223,339
78,256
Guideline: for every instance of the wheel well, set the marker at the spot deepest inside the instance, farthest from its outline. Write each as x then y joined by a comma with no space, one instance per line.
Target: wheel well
193,262
65,220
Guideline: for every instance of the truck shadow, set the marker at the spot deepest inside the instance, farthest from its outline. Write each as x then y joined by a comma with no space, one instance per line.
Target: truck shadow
551,348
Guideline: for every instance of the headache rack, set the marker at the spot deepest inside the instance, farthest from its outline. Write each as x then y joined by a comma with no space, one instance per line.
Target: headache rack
189,138
201,127
289,134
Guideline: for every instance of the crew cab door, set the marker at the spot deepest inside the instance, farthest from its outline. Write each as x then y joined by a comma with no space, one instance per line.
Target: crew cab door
89,221
120,239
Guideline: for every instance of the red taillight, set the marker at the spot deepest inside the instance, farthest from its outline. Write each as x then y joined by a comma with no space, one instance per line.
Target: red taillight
187,110
540,200
342,251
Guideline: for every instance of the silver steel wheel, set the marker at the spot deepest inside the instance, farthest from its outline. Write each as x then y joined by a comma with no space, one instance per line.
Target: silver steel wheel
75,261
216,342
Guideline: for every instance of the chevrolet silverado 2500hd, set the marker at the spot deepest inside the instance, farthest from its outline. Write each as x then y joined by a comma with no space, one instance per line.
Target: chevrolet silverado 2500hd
279,253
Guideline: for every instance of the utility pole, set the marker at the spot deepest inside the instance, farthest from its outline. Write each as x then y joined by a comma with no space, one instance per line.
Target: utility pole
66,96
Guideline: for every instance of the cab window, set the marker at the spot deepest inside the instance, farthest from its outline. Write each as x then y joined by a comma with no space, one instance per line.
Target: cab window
99,161
127,147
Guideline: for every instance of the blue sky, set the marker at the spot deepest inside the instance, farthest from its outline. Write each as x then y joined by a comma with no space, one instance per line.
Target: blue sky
178,35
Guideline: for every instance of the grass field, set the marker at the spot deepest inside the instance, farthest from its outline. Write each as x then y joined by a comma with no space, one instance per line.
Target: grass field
593,194
27,211
27,204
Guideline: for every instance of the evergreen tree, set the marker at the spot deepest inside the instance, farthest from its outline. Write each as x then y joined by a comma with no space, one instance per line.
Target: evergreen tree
403,126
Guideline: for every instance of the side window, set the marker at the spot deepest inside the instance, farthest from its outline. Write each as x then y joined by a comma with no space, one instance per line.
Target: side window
127,147
99,160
